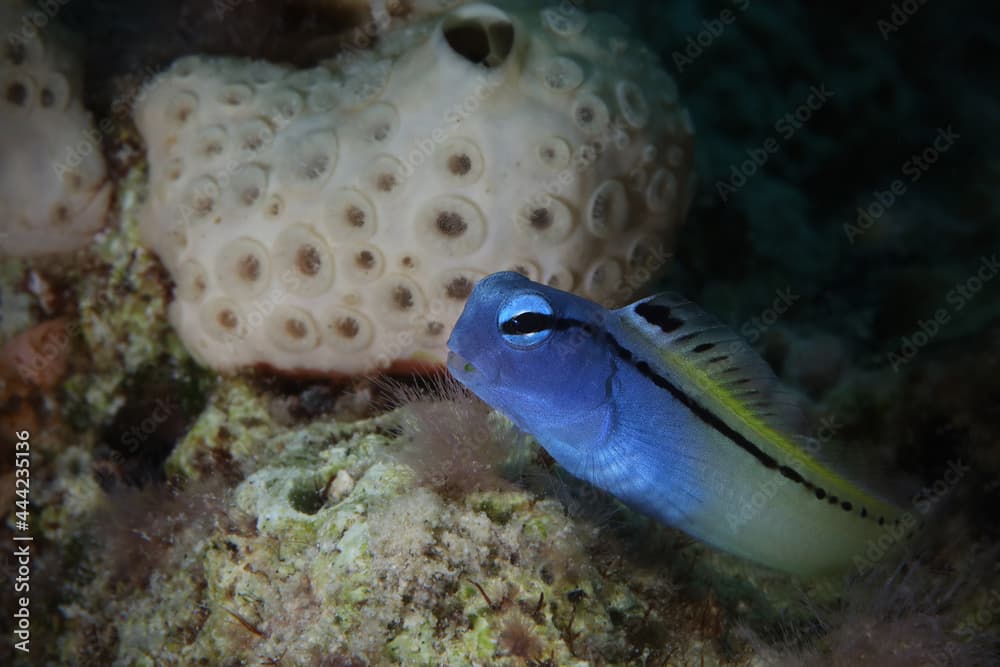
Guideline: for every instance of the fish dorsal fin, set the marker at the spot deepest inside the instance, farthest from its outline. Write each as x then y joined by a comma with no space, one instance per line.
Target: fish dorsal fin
714,365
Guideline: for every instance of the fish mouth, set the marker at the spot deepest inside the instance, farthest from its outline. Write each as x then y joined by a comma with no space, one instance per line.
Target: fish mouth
460,367
466,372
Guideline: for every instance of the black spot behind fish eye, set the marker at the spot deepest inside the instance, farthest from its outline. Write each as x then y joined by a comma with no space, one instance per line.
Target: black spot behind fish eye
659,316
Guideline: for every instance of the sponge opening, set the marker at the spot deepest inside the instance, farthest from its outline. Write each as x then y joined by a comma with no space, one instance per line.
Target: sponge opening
482,39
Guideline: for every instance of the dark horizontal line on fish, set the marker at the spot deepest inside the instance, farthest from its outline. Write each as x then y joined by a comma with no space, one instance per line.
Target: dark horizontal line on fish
655,315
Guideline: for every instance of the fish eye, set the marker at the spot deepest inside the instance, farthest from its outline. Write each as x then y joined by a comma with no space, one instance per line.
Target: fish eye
526,320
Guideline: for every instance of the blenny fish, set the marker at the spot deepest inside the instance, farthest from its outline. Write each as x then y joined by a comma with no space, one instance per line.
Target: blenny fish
671,412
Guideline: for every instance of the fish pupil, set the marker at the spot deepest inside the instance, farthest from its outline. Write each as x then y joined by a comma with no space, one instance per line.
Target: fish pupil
523,324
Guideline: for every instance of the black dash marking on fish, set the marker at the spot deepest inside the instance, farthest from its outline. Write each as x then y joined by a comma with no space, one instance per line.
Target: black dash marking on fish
715,360
528,323
704,347
864,512
793,475
707,415
686,337
659,316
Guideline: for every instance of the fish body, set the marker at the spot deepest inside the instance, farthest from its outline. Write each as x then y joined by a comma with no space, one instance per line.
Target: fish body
671,412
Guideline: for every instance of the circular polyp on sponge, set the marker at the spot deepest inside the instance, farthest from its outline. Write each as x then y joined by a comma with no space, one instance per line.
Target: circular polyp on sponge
554,153
243,268
454,286
633,105
545,220
603,279
236,94
591,114
201,200
399,300
304,261
292,329
460,162
192,281
561,75
384,176
350,215
451,226
248,186
223,320
19,90
378,124
662,190
309,160
361,263
283,106
607,210
564,21
337,218
254,135
348,330
180,108
54,92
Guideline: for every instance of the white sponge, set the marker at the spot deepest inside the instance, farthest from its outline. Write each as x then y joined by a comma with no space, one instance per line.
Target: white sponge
335,219
54,192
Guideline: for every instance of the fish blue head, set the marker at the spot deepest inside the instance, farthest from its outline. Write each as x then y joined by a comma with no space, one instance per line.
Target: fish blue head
532,352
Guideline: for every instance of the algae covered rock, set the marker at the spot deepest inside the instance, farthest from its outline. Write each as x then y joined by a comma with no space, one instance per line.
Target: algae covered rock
326,549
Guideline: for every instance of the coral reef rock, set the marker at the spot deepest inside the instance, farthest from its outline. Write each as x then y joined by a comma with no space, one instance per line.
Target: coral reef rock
335,219
54,192
328,553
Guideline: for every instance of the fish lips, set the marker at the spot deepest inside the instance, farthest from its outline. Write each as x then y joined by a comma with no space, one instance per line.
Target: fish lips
468,373
463,369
